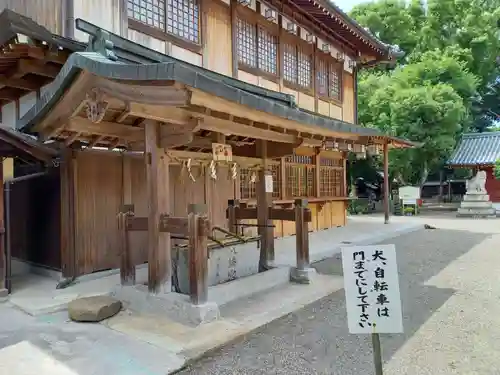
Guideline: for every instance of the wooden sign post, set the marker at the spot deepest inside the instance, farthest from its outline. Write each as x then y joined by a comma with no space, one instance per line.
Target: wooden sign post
372,294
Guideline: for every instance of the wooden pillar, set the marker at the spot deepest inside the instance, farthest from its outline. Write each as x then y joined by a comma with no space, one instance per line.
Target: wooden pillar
232,206
127,266
158,186
317,173
264,201
198,254
441,174
68,228
386,183
302,235
282,178
3,263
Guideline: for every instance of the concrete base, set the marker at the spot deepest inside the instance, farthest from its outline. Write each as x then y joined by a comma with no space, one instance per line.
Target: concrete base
179,308
476,205
174,305
302,276
4,295
21,268
224,265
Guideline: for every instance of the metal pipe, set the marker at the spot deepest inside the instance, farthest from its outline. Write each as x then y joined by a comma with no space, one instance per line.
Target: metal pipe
69,19
8,250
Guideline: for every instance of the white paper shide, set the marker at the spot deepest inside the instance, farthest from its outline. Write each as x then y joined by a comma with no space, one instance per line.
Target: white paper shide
371,285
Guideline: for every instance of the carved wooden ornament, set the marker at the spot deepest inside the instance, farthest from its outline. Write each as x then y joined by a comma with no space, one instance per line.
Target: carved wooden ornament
96,106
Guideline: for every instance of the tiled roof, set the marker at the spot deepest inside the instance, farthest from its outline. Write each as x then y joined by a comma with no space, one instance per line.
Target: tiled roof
477,149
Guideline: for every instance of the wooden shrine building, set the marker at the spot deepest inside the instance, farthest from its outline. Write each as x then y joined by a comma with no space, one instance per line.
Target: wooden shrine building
206,120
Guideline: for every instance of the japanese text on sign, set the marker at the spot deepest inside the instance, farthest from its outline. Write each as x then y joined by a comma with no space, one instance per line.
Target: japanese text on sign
372,289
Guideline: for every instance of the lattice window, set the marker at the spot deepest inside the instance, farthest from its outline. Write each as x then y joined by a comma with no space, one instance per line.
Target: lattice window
335,89
332,162
247,43
276,171
268,51
300,176
304,67
150,12
247,188
183,19
177,17
329,81
290,60
331,178
297,66
322,78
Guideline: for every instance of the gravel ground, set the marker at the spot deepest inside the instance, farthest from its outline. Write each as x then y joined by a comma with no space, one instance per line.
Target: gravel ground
315,340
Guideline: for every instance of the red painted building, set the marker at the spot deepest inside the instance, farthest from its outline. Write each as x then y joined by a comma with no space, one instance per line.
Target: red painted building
479,151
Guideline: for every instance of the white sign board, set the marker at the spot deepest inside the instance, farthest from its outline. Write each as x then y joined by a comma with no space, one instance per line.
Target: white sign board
409,202
269,183
409,192
372,289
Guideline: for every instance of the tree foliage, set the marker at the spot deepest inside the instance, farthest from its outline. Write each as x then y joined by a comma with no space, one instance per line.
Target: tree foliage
445,83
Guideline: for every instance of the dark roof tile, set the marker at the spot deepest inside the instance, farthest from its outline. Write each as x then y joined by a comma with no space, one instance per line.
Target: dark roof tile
476,149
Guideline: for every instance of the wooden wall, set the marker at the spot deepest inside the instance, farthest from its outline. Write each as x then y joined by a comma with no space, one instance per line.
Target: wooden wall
104,182
47,13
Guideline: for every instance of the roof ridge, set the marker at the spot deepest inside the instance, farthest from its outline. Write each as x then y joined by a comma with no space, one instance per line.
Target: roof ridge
479,135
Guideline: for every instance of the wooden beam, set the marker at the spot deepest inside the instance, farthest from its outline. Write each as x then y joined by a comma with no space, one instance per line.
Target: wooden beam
235,213
11,94
32,67
19,83
96,139
165,95
200,99
124,114
105,128
191,126
386,183
47,55
176,140
72,138
227,127
158,185
274,150
159,113
175,154
182,116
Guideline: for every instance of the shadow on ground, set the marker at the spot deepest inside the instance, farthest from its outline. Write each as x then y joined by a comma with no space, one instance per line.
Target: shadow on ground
315,340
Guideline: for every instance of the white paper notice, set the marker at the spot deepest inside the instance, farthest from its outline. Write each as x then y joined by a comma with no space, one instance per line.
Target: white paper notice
269,183
371,286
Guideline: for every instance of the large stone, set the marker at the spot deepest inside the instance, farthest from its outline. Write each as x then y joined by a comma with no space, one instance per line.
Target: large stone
93,309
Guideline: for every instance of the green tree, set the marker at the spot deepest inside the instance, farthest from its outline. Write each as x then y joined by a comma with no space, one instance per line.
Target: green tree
427,101
447,81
